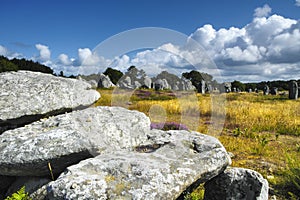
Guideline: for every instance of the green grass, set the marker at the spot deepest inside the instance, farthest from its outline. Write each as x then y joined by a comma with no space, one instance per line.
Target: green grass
261,131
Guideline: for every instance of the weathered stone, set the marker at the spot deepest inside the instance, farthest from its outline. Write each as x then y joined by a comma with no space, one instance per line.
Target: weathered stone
201,88
293,90
163,168
146,81
165,84
158,85
237,183
274,91
125,83
93,83
28,96
188,85
104,82
66,139
266,90
137,85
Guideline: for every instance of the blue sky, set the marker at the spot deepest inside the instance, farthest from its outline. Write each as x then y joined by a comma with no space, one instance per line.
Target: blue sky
59,33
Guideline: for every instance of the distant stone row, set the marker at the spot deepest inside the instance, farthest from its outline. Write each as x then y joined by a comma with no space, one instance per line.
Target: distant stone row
163,81
294,90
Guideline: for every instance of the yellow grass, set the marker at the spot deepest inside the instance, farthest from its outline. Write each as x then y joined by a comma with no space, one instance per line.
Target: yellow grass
261,131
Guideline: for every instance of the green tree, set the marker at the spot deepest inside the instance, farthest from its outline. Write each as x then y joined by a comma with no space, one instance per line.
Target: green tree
196,77
6,65
238,85
113,74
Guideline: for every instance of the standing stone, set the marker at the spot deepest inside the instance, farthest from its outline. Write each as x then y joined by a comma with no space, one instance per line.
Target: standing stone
104,82
93,83
266,90
137,85
147,82
188,85
237,183
274,91
158,85
125,83
202,87
293,90
166,85
249,90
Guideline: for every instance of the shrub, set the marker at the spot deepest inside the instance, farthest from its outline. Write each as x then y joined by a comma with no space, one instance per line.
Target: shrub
19,195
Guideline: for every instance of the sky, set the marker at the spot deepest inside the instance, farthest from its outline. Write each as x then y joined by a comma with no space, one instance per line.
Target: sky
249,40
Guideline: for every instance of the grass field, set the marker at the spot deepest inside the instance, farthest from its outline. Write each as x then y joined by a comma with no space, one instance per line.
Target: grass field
262,132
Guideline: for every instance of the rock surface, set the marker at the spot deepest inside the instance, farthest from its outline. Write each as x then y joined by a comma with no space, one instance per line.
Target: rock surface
162,168
105,82
27,96
237,183
66,139
293,90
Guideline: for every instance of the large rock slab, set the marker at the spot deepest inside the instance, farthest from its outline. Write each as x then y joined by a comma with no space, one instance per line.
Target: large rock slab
27,96
168,164
66,139
237,183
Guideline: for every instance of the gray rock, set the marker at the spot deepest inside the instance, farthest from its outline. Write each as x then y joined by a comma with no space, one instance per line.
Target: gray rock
163,168
147,82
93,83
27,96
293,90
104,82
274,91
137,84
165,84
266,90
187,85
202,87
237,183
125,83
158,84
31,184
66,139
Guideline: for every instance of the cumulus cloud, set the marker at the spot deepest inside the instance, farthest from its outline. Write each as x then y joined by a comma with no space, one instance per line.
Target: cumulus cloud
3,51
64,59
267,48
262,11
7,53
297,3
44,52
264,49
261,50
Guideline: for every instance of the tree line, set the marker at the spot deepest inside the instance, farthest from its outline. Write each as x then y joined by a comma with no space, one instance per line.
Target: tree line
22,64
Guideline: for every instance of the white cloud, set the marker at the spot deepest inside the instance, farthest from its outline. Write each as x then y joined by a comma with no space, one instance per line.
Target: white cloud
262,11
297,3
44,54
267,48
262,30
259,50
3,51
64,59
